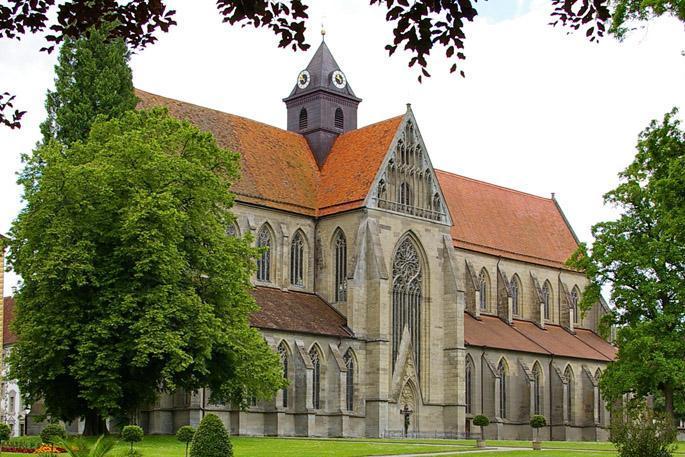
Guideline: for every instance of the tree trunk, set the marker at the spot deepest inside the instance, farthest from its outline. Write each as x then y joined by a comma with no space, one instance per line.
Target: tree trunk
95,424
668,400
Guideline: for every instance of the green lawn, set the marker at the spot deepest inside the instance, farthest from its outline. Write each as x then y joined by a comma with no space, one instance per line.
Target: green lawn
167,446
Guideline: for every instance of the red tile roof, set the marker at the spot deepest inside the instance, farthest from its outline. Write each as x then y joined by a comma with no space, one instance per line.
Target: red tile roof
297,312
277,167
505,222
525,336
8,336
492,332
352,165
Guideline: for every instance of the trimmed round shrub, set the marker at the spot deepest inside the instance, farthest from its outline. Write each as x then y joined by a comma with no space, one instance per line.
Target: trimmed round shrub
481,421
185,435
52,433
538,421
132,434
5,432
211,439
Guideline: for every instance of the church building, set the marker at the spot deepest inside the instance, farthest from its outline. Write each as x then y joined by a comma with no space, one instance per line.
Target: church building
394,291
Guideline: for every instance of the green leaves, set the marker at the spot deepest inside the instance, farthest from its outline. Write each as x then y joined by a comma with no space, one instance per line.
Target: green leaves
131,284
642,256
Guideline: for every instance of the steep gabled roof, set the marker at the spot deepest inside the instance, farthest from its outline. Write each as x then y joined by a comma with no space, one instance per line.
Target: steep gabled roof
277,167
352,165
505,222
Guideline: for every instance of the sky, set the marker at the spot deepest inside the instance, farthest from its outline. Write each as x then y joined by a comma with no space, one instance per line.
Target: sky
540,110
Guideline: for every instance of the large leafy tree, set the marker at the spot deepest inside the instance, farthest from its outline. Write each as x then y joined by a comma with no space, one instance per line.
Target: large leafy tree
92,78
419,26
130,283
641,255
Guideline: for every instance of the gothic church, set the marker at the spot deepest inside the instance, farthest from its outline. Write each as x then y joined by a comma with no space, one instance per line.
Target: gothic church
391,287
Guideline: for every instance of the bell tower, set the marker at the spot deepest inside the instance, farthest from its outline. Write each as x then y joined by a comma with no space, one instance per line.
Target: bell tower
322,104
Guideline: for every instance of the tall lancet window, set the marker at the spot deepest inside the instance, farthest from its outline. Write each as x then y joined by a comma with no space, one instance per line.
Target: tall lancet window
575,297
349,378
568,374
537,389
340,246
483,286
502,371
515,292
297,260
316,377
283,354
406,298
264,240
546,298
468,384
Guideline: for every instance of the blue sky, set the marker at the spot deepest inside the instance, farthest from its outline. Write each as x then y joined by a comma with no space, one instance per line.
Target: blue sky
499,10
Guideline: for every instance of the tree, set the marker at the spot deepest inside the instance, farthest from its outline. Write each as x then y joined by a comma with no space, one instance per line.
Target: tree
639,431
5,433
481,421
418,26
132,434
537,422
211,439
130,283
92,78
185,435
641,255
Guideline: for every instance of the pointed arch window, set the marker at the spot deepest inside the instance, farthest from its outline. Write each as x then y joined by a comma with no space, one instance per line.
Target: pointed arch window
303,118
546,298
349,377
502,372
283,354
515,293
339,118
406,298
297,260
232,230
537,389
264,240
575,298
468,383
483,287
316,377
568,374
340,246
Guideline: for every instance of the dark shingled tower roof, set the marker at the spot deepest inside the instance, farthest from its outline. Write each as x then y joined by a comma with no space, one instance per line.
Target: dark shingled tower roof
320,68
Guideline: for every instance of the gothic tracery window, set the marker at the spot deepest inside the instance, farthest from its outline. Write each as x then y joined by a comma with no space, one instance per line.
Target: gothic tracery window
406,298
483,287
546,296
468,382
568,374
575,297
264,240
502,372
297,260
340,246
316,377
537,389
283,354
515,295
349,377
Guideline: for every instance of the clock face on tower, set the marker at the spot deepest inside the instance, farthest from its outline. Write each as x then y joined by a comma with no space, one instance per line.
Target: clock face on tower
338,79
303,79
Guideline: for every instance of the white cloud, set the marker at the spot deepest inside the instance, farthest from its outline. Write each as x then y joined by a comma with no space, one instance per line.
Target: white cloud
540,111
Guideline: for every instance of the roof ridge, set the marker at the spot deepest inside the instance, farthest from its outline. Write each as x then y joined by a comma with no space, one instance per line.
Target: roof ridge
498,186
220,112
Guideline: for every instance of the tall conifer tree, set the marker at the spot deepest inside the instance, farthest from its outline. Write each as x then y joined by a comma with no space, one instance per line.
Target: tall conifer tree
92,78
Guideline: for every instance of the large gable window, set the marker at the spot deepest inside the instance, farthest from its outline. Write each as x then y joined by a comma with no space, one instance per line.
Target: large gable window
265,241
407,278
297,260
407,185
340,246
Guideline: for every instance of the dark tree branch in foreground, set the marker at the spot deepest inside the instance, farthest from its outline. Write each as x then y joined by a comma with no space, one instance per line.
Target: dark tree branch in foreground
419,26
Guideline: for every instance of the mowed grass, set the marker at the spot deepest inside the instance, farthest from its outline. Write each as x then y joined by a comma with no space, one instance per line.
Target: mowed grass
168,446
